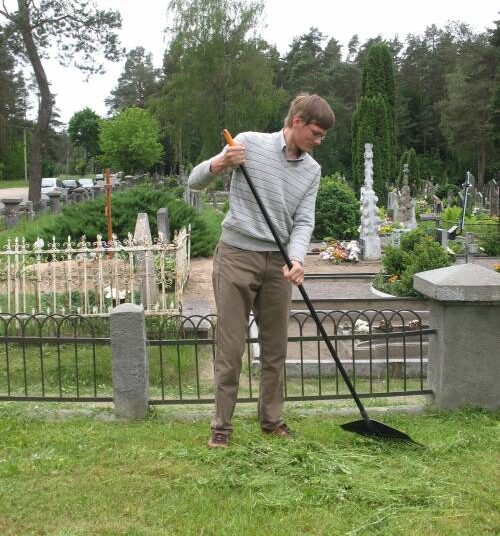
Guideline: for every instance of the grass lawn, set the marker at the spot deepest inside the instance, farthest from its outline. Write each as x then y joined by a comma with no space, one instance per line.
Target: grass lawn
90,475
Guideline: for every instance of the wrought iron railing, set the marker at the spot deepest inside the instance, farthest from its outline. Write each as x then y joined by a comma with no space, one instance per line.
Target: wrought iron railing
68,357
89,279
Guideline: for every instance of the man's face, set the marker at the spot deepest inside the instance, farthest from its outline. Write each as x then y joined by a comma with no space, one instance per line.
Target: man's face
307,136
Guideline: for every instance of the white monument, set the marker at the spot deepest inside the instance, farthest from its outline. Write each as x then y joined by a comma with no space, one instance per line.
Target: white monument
369,216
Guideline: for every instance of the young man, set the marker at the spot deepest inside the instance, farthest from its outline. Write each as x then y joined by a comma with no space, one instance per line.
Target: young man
248,272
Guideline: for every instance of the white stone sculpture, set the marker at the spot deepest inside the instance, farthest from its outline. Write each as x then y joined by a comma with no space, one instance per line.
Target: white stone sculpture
369,213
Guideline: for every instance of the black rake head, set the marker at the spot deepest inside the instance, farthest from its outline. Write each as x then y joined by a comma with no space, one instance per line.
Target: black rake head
377,430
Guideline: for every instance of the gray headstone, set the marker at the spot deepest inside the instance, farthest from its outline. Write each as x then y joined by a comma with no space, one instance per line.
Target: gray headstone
145,261
163,223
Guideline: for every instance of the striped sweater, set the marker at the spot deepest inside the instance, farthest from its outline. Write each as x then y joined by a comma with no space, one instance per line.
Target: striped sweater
287,188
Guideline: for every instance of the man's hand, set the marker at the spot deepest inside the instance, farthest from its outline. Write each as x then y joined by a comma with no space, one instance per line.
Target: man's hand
231,156
296,274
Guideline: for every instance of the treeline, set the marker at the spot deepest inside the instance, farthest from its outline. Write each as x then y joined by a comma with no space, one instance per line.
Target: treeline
440,92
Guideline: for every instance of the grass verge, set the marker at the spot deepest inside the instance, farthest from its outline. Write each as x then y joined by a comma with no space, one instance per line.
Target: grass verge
85,476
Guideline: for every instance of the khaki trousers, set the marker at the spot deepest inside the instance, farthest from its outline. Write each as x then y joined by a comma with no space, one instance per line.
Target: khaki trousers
243,281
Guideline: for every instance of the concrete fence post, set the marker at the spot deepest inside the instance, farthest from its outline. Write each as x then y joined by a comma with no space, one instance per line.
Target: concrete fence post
464,355
129,361
11,212
55,202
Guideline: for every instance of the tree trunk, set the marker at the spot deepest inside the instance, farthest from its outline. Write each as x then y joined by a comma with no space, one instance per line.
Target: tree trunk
39,135
481,168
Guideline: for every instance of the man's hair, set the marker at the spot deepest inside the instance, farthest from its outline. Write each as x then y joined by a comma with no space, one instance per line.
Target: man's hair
311,109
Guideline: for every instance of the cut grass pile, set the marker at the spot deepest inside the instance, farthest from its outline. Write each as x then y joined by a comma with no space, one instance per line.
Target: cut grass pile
94,476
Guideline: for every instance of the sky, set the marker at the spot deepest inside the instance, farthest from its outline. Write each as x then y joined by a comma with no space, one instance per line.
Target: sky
144,22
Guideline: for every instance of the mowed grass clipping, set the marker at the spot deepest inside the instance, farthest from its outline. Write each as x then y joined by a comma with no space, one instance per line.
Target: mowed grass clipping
94,476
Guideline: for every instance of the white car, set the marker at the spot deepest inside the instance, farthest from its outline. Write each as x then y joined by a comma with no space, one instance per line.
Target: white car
88,184
52,184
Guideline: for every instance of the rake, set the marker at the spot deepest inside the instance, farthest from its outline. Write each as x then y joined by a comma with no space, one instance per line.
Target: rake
365,426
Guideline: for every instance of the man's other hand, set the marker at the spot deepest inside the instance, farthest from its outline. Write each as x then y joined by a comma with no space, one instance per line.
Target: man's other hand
296,274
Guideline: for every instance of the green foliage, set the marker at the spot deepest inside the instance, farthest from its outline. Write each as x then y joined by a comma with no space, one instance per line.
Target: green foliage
337,210
89,219
371,125
451,215
129,142
373,121
378,75
76,32
219,74
467,118
417,253
83,130
136,84
442,191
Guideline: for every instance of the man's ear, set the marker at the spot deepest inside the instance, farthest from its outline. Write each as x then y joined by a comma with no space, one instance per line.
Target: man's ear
296,120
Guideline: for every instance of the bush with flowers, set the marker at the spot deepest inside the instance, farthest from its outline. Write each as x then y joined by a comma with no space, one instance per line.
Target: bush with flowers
337,251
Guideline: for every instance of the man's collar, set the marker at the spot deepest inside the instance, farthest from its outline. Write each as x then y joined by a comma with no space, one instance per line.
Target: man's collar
283,147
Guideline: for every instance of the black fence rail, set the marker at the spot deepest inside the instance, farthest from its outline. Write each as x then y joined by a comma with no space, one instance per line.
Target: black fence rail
384,352
55,358
68,357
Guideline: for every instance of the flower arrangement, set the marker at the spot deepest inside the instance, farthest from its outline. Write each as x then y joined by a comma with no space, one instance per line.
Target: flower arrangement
337,251
387,226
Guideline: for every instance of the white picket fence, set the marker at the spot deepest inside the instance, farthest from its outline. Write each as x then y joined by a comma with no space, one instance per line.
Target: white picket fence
91,278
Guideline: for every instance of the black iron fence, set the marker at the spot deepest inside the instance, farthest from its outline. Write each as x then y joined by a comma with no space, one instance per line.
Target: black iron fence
384,352
68,358
54,358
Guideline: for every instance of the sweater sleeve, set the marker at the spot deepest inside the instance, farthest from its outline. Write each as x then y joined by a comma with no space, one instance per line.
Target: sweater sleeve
201,176
303,223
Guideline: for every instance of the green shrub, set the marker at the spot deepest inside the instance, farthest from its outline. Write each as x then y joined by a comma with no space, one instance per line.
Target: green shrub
337,210
442,191
89,218
451,215
417,253
395,260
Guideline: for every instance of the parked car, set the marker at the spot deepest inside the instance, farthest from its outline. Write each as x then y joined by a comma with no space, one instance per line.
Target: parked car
89,184
53,184
72,185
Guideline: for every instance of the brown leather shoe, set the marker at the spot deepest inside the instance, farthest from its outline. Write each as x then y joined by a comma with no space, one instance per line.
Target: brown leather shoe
218,441
280,431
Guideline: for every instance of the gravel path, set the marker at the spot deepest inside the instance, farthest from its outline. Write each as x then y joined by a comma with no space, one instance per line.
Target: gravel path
198,295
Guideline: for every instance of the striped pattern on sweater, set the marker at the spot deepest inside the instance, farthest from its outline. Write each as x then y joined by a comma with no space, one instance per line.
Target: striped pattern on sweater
287,188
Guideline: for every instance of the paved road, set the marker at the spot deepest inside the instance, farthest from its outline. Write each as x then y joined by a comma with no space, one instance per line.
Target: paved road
13,193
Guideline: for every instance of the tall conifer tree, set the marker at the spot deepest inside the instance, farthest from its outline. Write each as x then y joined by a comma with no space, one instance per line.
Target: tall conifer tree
373,121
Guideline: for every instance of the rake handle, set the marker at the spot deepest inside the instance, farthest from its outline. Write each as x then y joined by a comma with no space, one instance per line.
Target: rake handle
302,290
